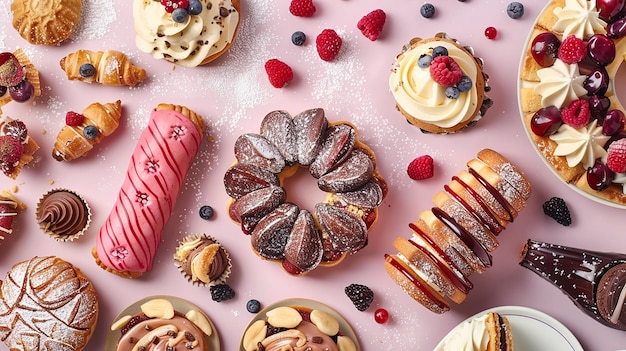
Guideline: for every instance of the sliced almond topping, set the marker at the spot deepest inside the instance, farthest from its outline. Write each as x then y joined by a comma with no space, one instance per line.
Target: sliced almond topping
345,343
326,323
287,334
120,323
158,308
254,335
200,320
284,317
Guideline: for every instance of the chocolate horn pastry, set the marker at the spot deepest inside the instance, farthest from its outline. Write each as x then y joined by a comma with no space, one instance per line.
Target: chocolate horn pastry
594,281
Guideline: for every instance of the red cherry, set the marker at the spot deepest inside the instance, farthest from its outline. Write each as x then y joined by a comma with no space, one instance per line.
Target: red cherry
290,268
491,32
546,121
381,316
609,8
545,48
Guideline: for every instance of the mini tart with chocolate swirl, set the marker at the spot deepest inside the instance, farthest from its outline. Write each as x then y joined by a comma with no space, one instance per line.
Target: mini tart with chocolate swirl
294,327
345,169
63,214
202,260
162,323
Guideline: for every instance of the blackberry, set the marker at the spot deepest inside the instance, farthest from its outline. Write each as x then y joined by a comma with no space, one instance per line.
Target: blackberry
221,292
424,60
298,38
452,92
87,70
427,10
464,84
206,212
440,51
556,208
253,306
515,10
360,295
90,132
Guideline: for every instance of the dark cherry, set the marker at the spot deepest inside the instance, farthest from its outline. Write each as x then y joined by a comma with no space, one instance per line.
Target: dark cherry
599,106
601,49
3,90
546,121
597,82
22,92
609,9
616,29
599,176
613,122
545,48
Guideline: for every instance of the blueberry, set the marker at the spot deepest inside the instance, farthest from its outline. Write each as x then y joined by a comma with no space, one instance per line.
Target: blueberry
87,70
90,132
424,60
440,51
465,84
298,38
515,10
180,15
253,306
194,7
427,10
206,212
452,92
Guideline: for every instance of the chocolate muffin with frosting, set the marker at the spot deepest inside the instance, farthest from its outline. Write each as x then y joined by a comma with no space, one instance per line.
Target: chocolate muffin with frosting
202,260
63,214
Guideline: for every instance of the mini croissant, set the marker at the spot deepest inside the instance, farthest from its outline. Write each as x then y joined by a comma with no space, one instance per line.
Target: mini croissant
83,131
106,67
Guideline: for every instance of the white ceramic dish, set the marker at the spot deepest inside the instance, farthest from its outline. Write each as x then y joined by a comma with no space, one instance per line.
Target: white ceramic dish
534,330
179,304
344,326
520,84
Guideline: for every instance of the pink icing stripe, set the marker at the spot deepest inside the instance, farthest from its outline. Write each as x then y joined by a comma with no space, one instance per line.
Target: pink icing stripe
131,234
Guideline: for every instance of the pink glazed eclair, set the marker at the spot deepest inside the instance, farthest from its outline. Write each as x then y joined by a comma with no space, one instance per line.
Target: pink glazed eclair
130,236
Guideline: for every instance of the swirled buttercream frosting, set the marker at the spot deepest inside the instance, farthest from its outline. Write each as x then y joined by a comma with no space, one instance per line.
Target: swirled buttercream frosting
420,97
560,84
63,214
583,145
202,260
579,17
195,41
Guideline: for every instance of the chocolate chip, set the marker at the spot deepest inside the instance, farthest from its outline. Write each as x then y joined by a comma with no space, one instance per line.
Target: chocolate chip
224,12
189,336
317,340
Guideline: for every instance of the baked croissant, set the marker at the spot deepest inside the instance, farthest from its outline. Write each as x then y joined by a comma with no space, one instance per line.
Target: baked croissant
106,67
76,139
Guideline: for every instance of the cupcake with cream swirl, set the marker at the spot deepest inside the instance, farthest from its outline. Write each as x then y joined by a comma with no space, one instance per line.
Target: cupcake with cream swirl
202,260
63,214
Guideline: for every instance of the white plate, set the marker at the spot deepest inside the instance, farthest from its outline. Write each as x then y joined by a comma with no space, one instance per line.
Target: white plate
344,326
534,330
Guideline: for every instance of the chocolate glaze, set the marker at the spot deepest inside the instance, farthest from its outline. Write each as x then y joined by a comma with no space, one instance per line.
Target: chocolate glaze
492,222
493,191
594,281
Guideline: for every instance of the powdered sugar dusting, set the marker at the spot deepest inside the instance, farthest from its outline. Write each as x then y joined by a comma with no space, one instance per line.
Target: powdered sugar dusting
96,17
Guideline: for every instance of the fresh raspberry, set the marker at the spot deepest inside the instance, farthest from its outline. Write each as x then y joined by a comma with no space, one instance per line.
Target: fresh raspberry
74,119
421,168
445,71
328,44
371,25
302,8
572,49
278,72
616,157
577,114
10,149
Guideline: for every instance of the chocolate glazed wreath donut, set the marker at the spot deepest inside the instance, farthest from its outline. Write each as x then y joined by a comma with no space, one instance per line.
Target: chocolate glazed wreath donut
345,170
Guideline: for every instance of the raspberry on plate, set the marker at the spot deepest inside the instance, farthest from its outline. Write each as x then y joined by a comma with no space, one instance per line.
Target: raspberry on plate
302,8
572,49
328,44
421,168
371,25
278,72
616,157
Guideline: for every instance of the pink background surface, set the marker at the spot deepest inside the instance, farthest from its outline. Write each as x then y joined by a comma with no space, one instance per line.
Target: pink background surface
233,95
